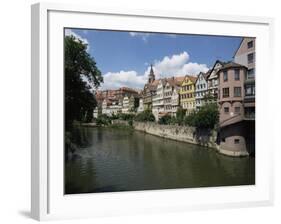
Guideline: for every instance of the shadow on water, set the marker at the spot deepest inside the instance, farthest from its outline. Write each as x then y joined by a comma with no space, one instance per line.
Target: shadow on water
109,160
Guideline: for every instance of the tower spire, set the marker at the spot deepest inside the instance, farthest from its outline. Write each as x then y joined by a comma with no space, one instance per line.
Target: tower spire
151,76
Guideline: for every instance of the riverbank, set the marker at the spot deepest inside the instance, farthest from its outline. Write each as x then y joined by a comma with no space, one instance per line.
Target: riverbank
205,138
178,133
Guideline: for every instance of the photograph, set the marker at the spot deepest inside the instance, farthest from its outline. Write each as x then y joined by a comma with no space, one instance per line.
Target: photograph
157,111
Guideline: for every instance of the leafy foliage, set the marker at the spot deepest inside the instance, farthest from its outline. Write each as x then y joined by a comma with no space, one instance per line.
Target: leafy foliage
103,119
126,117
207,116
190,119
144,116
180,115
81,75
166,119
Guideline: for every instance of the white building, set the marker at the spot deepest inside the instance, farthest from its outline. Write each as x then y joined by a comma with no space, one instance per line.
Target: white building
114,108
213,80
105,105
158,100
125,105
201,89
96,112
110,108
175,101
171,95
168,91
141,106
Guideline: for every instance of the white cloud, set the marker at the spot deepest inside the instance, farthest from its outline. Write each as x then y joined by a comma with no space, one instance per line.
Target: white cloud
69,32
143,36
176,65
114,80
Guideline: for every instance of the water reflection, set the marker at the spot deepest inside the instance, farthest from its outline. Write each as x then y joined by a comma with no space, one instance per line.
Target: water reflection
121,160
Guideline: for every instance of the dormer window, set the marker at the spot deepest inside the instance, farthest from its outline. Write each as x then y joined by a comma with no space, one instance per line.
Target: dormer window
250,44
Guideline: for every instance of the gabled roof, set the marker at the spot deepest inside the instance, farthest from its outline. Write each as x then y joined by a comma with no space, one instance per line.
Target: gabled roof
203,74
179,80
171,81
243,39
212,69
191,78
231,65
206,75
152,86
238,47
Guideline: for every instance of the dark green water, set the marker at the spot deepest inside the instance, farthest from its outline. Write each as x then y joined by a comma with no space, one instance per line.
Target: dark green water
110,160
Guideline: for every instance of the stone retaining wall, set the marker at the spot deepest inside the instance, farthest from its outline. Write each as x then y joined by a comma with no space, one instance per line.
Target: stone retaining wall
206,138
121,122
179,133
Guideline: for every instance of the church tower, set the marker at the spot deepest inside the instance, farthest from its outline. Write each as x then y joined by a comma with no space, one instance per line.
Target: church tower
151,76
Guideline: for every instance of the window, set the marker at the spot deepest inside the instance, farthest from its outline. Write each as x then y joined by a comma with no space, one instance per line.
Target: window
237,110
250,90
225,92
236,141
251,73
225,78
237,74
237,91
226,110
250,44
250,58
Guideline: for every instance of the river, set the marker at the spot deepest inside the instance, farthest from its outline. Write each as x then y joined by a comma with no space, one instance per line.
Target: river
110,160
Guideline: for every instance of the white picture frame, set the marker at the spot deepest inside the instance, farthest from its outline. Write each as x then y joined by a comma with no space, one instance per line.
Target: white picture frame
48,201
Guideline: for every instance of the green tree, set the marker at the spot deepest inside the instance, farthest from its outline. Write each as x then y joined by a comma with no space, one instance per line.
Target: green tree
207,116
190,119
166,119
180,114
144,116
81,76
208,98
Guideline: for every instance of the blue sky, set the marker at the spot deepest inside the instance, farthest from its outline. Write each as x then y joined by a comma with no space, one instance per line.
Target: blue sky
124,57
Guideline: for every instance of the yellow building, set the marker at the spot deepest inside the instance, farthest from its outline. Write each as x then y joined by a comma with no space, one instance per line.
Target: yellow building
187,93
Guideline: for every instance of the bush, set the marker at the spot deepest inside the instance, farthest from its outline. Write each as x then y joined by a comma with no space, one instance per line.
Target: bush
126,117
207,116
114,116
180,115
190,119
130,122
103,119
145,116
173,120
165,119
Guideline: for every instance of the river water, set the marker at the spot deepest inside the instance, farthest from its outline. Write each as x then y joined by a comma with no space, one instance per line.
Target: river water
110,160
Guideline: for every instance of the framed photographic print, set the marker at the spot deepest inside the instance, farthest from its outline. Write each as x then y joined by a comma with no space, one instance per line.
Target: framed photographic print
148,111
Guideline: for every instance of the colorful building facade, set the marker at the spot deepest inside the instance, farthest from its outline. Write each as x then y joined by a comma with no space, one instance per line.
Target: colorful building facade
187,94
201,90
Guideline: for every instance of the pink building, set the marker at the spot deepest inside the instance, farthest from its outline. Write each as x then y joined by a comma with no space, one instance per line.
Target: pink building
231,93
245,55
